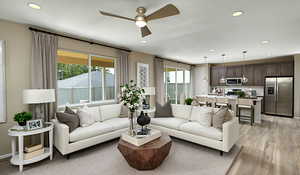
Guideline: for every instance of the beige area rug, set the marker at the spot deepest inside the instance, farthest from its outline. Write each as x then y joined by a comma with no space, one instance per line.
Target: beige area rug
105,159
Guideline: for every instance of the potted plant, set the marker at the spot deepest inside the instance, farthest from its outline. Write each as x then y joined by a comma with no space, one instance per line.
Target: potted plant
131,96
22,117
188,101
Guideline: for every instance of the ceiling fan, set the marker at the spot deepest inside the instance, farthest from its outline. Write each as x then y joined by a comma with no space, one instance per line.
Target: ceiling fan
141,19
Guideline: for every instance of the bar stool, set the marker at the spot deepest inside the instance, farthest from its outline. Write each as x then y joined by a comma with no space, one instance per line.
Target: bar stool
210,101
202,100
222,102
246,104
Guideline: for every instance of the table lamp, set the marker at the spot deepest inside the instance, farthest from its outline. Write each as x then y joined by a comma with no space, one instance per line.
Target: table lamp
38,97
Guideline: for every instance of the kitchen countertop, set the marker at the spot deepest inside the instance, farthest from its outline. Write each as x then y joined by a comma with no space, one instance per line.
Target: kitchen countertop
234,97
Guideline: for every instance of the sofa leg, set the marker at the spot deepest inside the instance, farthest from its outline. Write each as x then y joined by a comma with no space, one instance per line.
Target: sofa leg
67,156
221,153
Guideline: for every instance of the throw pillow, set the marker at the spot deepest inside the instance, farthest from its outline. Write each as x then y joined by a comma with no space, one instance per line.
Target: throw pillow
202,115
163,110
219,118
69,110
71,120
86,119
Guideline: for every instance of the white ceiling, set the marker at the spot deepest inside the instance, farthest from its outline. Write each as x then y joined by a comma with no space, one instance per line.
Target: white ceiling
188,37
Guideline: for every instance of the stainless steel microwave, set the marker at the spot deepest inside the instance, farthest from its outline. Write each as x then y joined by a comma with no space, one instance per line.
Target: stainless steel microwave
233,81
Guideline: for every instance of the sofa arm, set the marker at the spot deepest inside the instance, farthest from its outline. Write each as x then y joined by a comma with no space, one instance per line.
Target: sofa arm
230,133
61,136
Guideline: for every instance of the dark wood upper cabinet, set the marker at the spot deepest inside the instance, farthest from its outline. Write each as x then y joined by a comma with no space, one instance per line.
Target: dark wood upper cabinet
248,72
287,69
255,73
258,74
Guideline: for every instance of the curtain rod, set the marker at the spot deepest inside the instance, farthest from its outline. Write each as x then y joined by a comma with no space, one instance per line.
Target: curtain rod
175,61
69,37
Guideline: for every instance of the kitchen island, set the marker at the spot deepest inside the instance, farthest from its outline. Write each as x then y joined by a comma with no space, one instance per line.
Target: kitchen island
232,100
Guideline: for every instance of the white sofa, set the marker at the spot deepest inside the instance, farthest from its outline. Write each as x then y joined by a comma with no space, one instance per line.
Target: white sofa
110,126
185,125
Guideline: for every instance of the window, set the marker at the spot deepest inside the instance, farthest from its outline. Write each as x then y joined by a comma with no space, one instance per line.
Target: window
177,84
84,78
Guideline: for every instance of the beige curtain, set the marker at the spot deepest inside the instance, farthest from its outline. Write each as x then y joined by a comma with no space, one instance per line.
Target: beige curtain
44,50
123,76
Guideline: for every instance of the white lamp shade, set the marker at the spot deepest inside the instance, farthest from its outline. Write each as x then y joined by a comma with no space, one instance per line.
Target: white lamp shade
149,90
37,96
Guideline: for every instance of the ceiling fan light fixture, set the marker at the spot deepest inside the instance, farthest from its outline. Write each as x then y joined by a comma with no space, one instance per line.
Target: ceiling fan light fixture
140,24
34,6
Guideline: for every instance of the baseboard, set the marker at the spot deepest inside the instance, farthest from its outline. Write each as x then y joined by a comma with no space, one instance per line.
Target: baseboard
5,156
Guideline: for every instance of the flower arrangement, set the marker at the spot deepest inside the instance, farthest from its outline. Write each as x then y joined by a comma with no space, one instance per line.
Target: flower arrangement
131,96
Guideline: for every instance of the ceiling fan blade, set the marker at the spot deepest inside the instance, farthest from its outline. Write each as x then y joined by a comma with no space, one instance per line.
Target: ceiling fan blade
145,31
116,16
168,10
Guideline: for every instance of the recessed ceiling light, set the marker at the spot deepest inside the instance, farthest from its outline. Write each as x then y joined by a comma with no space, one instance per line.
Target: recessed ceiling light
212,50
34,6
265,42
143,41
237,13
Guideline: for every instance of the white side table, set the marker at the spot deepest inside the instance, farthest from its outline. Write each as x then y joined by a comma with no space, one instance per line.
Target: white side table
18,158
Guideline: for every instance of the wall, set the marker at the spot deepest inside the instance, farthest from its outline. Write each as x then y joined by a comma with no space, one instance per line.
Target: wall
18,53
138,57
297,86
201,78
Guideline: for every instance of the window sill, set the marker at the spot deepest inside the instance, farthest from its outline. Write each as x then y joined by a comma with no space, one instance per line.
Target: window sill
95,103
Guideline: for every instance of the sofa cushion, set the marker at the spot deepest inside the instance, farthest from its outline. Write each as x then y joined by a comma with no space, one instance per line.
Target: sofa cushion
163,110
200,130
110,111
95,129
170,122
118,123
94,112
181,111
203,115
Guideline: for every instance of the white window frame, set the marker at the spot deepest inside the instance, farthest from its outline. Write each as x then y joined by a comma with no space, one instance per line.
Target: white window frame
176,88
2,83
98,102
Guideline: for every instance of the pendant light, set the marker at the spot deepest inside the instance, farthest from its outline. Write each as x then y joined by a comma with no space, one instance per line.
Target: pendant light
223,80
244,79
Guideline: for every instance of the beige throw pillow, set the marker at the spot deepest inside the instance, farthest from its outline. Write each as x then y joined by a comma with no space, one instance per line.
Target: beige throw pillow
219,118
202,115
86,119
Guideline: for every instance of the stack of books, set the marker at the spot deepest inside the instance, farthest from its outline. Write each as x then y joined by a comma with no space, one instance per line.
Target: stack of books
33,151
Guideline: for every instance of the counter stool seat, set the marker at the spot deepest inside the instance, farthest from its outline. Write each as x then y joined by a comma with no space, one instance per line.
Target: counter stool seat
246,104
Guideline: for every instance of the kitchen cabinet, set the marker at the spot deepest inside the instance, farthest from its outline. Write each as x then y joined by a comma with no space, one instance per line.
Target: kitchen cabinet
248,72
287,69
234,71
255,73
259,74
272,69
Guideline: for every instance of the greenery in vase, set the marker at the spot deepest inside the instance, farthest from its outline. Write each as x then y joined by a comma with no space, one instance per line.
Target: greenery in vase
23,117
131,96
188,101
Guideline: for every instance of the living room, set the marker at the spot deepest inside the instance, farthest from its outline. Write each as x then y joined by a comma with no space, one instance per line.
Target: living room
217,87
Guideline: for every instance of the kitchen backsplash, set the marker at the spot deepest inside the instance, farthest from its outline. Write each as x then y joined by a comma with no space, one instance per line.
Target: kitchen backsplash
259,89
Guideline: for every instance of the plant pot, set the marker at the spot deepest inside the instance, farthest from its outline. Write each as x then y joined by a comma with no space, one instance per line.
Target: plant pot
22,123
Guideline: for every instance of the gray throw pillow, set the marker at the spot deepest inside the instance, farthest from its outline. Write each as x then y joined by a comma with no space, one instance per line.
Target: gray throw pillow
71,120
219,118
69,110
163,110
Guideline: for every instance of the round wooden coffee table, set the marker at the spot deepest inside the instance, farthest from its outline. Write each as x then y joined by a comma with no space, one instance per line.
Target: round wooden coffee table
148,156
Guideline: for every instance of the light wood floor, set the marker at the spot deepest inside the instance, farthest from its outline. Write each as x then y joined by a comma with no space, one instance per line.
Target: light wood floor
272,148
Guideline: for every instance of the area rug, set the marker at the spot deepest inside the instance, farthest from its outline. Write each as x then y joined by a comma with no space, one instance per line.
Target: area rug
185,158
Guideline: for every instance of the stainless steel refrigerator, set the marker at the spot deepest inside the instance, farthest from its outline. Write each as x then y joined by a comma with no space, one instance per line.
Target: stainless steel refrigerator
279,96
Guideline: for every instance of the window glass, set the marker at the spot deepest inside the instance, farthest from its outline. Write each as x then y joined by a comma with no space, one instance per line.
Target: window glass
76,83
187,81
180,87
171,84
72,77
